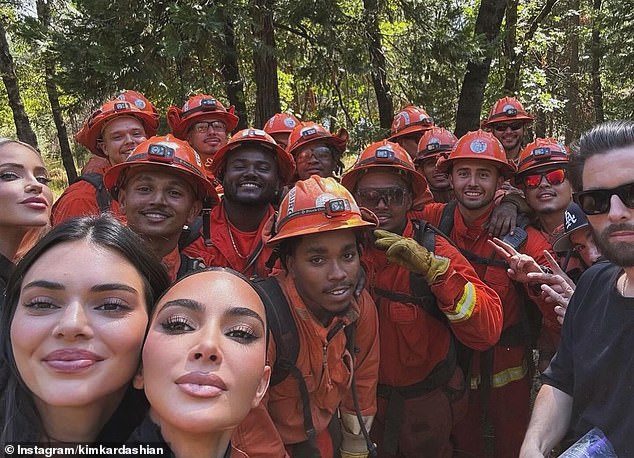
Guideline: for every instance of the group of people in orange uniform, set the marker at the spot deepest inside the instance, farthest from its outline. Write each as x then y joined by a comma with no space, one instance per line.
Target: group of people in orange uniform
436,252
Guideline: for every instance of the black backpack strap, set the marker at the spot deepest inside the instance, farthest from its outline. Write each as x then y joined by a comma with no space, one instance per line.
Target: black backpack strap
188,265
96,180
190,234
283,329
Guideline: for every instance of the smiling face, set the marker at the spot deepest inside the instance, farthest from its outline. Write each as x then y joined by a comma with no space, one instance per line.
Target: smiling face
157,203
474,184
391,212
25,197
325,268
613,230
120,136
510,135
204,356
436,179
207,140
78,327
315,159
546,197
251,176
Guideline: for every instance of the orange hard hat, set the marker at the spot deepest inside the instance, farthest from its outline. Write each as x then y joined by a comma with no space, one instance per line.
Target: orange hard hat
166,152
435,141
507,109
281,123
90,132
199,107
410,120
385,154
306,133
314,206
285,162
480,145
541,152
138,100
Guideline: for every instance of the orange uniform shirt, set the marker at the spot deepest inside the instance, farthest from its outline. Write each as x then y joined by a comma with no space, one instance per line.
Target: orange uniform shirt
232,249
326,366
412,341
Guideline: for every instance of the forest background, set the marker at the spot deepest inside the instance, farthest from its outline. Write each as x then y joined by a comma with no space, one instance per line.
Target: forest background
344,63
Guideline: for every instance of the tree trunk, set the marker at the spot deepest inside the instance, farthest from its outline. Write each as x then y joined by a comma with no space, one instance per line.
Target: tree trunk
572,105
267,95
487,27
378,63
512,77
44,13
7,68
597,54
231,72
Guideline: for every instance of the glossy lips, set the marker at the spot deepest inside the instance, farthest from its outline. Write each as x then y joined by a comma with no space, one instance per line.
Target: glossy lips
36,203
201,384
71,360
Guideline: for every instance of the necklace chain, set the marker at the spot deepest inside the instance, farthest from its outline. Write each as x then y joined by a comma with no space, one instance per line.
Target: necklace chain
233,242
625,284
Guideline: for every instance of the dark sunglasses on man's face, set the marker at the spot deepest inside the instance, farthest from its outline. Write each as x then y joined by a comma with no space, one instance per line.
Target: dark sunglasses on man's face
501,127
370,198
597,201
554,177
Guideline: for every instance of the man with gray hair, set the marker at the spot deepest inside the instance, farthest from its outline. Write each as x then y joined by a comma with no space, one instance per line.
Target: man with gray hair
590,381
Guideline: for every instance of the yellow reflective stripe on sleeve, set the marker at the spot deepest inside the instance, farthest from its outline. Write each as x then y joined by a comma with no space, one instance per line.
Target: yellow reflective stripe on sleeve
512,374
464,306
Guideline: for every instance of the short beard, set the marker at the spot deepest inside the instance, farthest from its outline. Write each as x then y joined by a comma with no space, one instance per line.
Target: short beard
621,254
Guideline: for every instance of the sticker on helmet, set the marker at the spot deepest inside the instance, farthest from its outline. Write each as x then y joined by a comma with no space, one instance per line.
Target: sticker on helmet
186,106
433,140
508,107
289,122
478,146
197,159
403,119
140,104
321,200
291,201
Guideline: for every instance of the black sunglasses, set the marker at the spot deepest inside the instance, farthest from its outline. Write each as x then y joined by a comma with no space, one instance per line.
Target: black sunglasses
370,198
501,127
597,201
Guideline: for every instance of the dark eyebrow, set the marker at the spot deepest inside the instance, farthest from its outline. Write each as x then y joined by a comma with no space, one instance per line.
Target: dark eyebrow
114,286
244,311
12,164
186,303
43,284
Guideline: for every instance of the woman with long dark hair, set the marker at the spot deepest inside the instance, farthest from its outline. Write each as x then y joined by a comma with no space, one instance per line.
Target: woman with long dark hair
71,332
204,364
25,200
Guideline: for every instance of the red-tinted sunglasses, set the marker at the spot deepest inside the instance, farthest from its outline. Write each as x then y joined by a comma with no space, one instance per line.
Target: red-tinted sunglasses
554,177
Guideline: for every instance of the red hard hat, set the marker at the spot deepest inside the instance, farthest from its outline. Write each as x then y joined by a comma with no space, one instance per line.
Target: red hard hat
314,206
285,162
306,133
507,109
435,141
541,152
167,152
385,154
91,131
410,120
480,145
281,123
199,107
138,100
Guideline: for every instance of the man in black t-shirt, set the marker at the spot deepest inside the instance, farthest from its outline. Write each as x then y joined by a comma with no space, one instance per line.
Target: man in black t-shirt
590,382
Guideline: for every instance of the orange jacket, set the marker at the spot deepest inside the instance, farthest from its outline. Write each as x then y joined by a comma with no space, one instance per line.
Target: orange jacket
223,253
326,366
474,239
412,341
79,199
172,262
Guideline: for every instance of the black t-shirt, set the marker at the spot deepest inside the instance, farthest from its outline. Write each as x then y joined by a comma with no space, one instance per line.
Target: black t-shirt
595,360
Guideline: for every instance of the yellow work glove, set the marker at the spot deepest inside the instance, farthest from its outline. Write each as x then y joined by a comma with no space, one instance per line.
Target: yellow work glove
406,252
